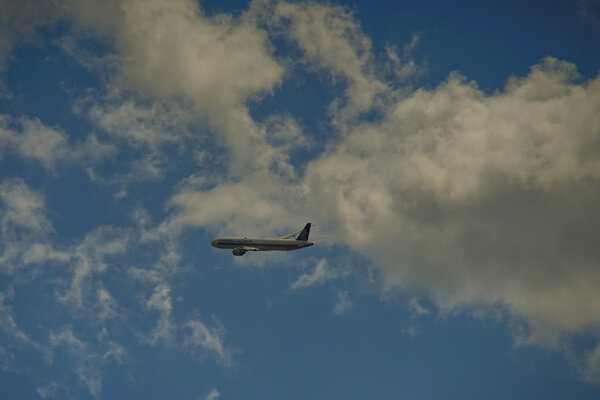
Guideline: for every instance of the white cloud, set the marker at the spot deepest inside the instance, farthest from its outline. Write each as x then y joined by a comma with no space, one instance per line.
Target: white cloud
225,198
8,324
478,199
144,122
403,67
320,275
199,338
342,303
221,63
108,305
589,366
7,359
116,352
213,395
43,252
31,139
331,39
469,196
24,228
50,391
86,358
463,194
23,208
417,310
90,258
161,299
205,340
86,362
165,327
410,331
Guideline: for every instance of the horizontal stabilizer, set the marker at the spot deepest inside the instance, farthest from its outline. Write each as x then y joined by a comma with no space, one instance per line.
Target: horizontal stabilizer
291,234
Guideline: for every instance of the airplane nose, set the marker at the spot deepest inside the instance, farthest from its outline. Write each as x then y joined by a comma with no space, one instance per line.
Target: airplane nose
214,243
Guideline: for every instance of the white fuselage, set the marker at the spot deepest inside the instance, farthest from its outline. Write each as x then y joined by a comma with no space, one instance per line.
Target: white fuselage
259,244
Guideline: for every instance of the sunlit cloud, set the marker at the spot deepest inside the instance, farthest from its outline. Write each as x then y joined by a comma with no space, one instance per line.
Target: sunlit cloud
31,139
203,340
317,277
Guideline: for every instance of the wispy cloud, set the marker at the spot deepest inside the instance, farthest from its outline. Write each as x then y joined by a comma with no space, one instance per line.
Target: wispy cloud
213,395
51,390
90,258
87,359
23,208
417,309
25,229
7,319
588,365
343,303
330,38
320,275
204,340
31,139
13,336
165,327
86,362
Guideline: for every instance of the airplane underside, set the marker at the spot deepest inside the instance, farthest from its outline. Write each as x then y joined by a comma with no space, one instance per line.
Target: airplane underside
241,252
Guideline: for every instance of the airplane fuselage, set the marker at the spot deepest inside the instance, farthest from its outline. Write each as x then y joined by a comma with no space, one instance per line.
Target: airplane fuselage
259,244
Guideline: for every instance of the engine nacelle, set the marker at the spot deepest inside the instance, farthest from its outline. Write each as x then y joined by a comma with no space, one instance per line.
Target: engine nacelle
238,252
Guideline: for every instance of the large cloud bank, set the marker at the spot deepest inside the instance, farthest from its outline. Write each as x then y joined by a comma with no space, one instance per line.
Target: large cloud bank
475,198
478,199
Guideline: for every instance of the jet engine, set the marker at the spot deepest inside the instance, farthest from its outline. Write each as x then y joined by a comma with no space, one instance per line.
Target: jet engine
238,252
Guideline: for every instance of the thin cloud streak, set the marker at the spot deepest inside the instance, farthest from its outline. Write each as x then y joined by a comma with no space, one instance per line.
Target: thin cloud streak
320,275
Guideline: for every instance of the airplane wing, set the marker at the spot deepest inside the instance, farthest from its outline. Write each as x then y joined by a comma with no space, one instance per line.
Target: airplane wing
248,248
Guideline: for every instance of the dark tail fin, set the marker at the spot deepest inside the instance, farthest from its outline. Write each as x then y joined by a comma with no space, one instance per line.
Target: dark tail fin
305,232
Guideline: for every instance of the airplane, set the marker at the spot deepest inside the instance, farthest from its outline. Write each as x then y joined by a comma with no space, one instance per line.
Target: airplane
241,245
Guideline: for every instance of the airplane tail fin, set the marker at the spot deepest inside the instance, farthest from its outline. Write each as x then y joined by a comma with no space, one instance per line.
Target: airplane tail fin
305,232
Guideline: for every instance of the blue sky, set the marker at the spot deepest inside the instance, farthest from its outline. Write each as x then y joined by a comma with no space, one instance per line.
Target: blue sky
447,153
